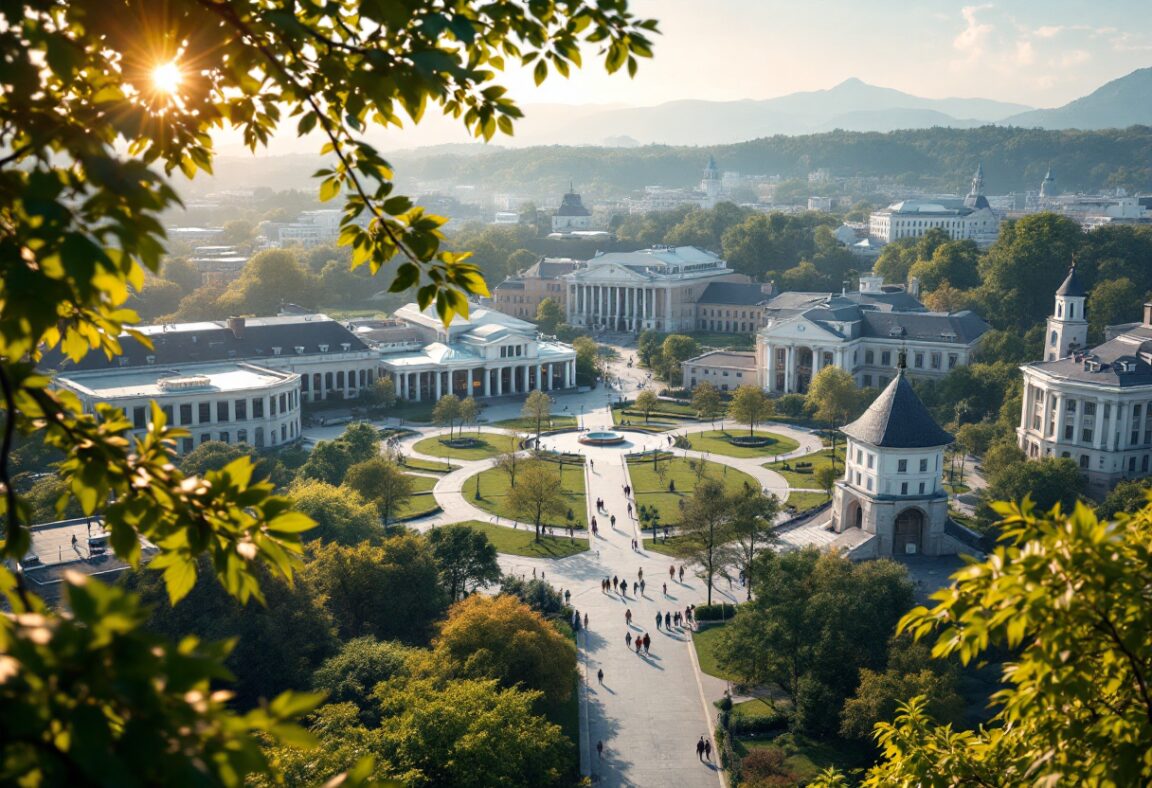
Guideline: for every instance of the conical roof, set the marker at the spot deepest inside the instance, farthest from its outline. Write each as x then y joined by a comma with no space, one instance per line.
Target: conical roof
898,420
1072,286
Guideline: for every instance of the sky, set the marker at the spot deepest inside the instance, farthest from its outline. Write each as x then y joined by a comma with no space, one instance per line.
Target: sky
1042,53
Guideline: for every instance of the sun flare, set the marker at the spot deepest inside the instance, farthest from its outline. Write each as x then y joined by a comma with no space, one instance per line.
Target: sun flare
166,78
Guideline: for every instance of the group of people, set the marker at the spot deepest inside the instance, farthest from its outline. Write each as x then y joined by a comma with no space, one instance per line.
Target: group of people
642,641
668,620
704,748
621,586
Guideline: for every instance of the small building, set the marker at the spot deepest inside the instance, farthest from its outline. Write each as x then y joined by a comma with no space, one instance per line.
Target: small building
969,219
726,370
892,490
572,215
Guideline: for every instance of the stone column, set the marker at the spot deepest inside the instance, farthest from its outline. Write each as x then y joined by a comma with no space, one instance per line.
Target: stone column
539,376
499,380
419,386
770,365
468,391
1057,417
1077,421
439,393
487,382
790,378
668,311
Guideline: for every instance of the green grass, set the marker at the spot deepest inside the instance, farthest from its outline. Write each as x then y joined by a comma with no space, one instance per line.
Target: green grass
806,758
491,444
660,546
650,490
529,425
706,640
620,419
520,541
730,341
716,442
412,411
422,501
753,708
494,495
431,466
807,478
805,500
959,488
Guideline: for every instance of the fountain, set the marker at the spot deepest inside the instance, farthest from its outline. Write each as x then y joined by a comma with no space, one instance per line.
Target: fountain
601,438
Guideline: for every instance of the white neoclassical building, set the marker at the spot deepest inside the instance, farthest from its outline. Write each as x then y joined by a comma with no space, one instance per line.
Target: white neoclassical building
487,354
1093,406
862,333
233,402
969,219
892,490
655,288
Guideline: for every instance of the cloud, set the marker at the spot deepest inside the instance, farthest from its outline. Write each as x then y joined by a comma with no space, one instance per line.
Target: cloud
972,41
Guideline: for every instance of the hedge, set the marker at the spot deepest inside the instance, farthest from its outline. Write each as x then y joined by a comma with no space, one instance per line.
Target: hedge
717,612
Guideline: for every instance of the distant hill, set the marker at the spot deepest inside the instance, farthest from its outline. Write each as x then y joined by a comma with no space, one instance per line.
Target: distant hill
1123,102
698,122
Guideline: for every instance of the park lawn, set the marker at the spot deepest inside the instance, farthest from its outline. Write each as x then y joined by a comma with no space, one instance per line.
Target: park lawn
422,502
621,419
819,459
715,442
806,758
520,541
428,466
651,491
494,495
705,640
661,546
420,412
804,501
529,425
491,444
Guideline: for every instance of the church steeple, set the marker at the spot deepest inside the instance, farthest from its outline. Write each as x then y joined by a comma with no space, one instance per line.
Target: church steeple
1068,326
976,198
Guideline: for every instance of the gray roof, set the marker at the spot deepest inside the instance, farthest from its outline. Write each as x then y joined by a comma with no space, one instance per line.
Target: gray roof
733,293
511,284
897,419
962,328
186,343
724,358
1099,365
1071,286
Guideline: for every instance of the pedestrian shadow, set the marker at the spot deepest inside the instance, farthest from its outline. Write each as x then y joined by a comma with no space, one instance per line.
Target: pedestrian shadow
669,596
601,685
652,659
674,636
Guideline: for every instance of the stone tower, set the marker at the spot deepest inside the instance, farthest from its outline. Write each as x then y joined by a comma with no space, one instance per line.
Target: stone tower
893,479
1068,326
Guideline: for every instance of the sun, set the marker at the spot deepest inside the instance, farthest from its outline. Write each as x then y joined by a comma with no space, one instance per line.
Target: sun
166,78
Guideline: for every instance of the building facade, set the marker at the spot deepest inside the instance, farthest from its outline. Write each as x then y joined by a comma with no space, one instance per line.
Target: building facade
332,362
1093,406
571,215
487,354
861,333
655,288
225,401
733,307
892,490
970,219
520,295
726,370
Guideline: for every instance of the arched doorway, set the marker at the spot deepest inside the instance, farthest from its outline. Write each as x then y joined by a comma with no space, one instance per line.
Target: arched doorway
908,537
854,516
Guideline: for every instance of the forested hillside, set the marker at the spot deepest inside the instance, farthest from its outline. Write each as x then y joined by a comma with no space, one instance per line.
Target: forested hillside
1014,160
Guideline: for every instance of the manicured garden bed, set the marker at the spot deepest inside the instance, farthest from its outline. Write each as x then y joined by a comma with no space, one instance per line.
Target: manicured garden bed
718,442
489,444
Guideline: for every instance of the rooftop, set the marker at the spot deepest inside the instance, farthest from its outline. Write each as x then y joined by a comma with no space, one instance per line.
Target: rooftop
897,419
725,358
165,381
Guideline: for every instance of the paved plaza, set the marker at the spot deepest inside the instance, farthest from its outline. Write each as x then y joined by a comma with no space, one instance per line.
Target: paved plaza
651,709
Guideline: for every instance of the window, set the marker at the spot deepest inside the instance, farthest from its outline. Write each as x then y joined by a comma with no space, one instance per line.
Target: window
867,381
868,483
241,436
886,358
1083,460
921,488
953,359
224,438
935,357
1086,435
902,466
924,465
205,437
859,457
871,460
186,413
222,412
869,357
140,417
241,410
258,408
167,413
903,488
919,361
1069,432
205,412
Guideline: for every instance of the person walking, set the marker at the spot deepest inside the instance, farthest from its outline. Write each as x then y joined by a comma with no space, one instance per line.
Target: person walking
615,582
585,620
612,520
665,589
647,642
672,572
600,746
600,675
700,749
567,596
659,619
639,643
635,587
681,573
708,749
641,586
640,573
628,639
592,463
628,616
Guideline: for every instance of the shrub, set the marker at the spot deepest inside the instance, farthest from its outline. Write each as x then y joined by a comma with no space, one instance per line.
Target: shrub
758,724
765,767
715,612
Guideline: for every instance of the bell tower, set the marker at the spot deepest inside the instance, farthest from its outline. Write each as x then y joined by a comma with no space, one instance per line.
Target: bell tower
1067,327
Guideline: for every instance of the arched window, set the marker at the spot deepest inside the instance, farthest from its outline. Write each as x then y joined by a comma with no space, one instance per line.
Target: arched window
1053,342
